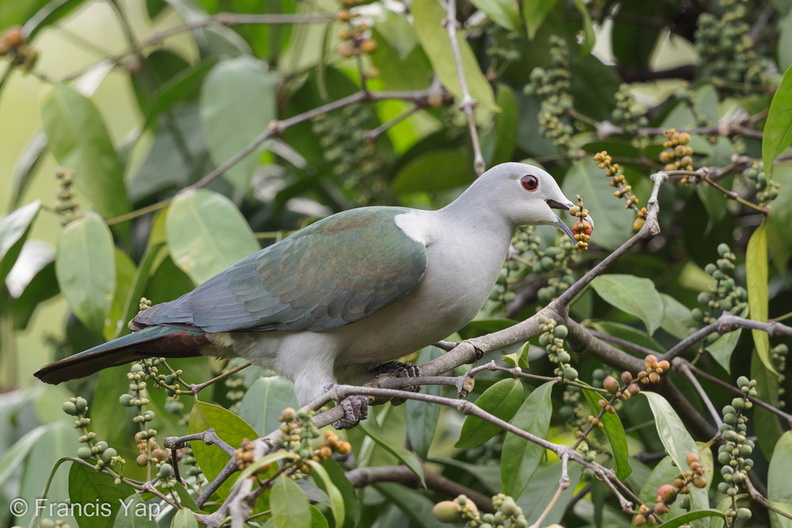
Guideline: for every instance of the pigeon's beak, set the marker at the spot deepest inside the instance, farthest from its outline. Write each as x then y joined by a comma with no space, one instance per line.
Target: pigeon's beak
560,223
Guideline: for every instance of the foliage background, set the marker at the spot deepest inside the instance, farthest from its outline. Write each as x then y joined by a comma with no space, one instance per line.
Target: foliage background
208,93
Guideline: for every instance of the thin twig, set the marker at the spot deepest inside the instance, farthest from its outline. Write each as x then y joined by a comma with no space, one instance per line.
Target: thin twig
195,388
563,485
685,368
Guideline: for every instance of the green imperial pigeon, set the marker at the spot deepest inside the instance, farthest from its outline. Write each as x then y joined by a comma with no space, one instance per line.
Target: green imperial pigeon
344,296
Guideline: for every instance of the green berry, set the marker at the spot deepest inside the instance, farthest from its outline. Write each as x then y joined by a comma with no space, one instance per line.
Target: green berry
70,408
85,453
560,331
125,400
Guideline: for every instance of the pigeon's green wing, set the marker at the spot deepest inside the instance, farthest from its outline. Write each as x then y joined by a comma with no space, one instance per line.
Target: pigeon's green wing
331,273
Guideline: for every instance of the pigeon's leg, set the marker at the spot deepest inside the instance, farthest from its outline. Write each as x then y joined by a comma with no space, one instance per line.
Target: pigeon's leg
355,409
399,370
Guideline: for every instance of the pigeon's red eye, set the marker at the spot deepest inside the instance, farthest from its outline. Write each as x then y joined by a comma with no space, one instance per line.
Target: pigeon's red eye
530,182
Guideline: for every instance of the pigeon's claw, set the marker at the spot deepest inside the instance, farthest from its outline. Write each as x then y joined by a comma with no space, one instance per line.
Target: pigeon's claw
355,410
399,370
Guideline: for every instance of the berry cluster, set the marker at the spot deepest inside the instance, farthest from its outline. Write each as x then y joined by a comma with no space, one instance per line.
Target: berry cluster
235,385
552,339
727,50
766,190
506,48
628,114
102,455
554,87
654,370
458,510
626,390
623,189
667,494
581,228
355,37
734,454
354,160
463,510
678,155
779,356
299,434
67,206
13,44
724,295
152,453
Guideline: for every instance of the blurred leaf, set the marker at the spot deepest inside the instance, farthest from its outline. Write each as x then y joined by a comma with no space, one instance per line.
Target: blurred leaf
229,427
184,87
541,489
634,295
26,165
184,518
502,400
437,45
686,518
780,218
520,457
756,283
88,486
614,431
778,127
534,13
589,37
505,13
677,441
289,504
705,101
613,222
768,428
207,233
43,286
237,105
78,139
779,478
37,14
13,457
14,229
86,270
125,276
784,45
499,141
435,171
337,506
593,86
776,519
264,402
634,42
404,456
677,320
415,505
134,512
348,492
721,350
422,417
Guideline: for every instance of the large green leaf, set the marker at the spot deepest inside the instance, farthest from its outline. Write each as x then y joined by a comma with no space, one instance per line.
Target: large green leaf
77,137
206,233
228,426
137,513
778,128
435,171
98,493
756,281
676,440
86,269
634,295
423,417
264,402
184,518
14,229
779,479
337,505
237,105
778,239
502,400
534,13
677,320
614,431
520,457
433,36
766,423
348,492
289,504
404,456
613,222
498,142
505,13
721,350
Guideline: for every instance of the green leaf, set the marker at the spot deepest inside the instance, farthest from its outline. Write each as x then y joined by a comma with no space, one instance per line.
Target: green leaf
502,400
676,440
348,492
630,333
416,506
541,489
677,320
206,233
435,171
433,36
613,228
520,457
505,13
766,423
498,142
756,281
86,269
90,487
778,239
77,137
423,417
634,295
777,134
777,520
289,504
614,431
721,350
589,37
14,229
264,402
13,457
779,478
633,44
405,457
134,512
184,518
229,427
686,518
337,506
26,165
534,13
237,105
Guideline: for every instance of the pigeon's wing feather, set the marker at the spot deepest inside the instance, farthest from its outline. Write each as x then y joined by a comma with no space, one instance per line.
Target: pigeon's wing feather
331,273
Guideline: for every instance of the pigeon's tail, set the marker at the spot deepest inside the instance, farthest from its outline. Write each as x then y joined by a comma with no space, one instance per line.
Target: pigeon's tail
153,341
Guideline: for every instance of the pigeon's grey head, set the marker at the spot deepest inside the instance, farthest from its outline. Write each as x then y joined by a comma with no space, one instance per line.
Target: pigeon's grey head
527,195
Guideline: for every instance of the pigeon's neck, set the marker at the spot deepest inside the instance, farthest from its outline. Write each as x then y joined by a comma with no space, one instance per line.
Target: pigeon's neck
476,213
